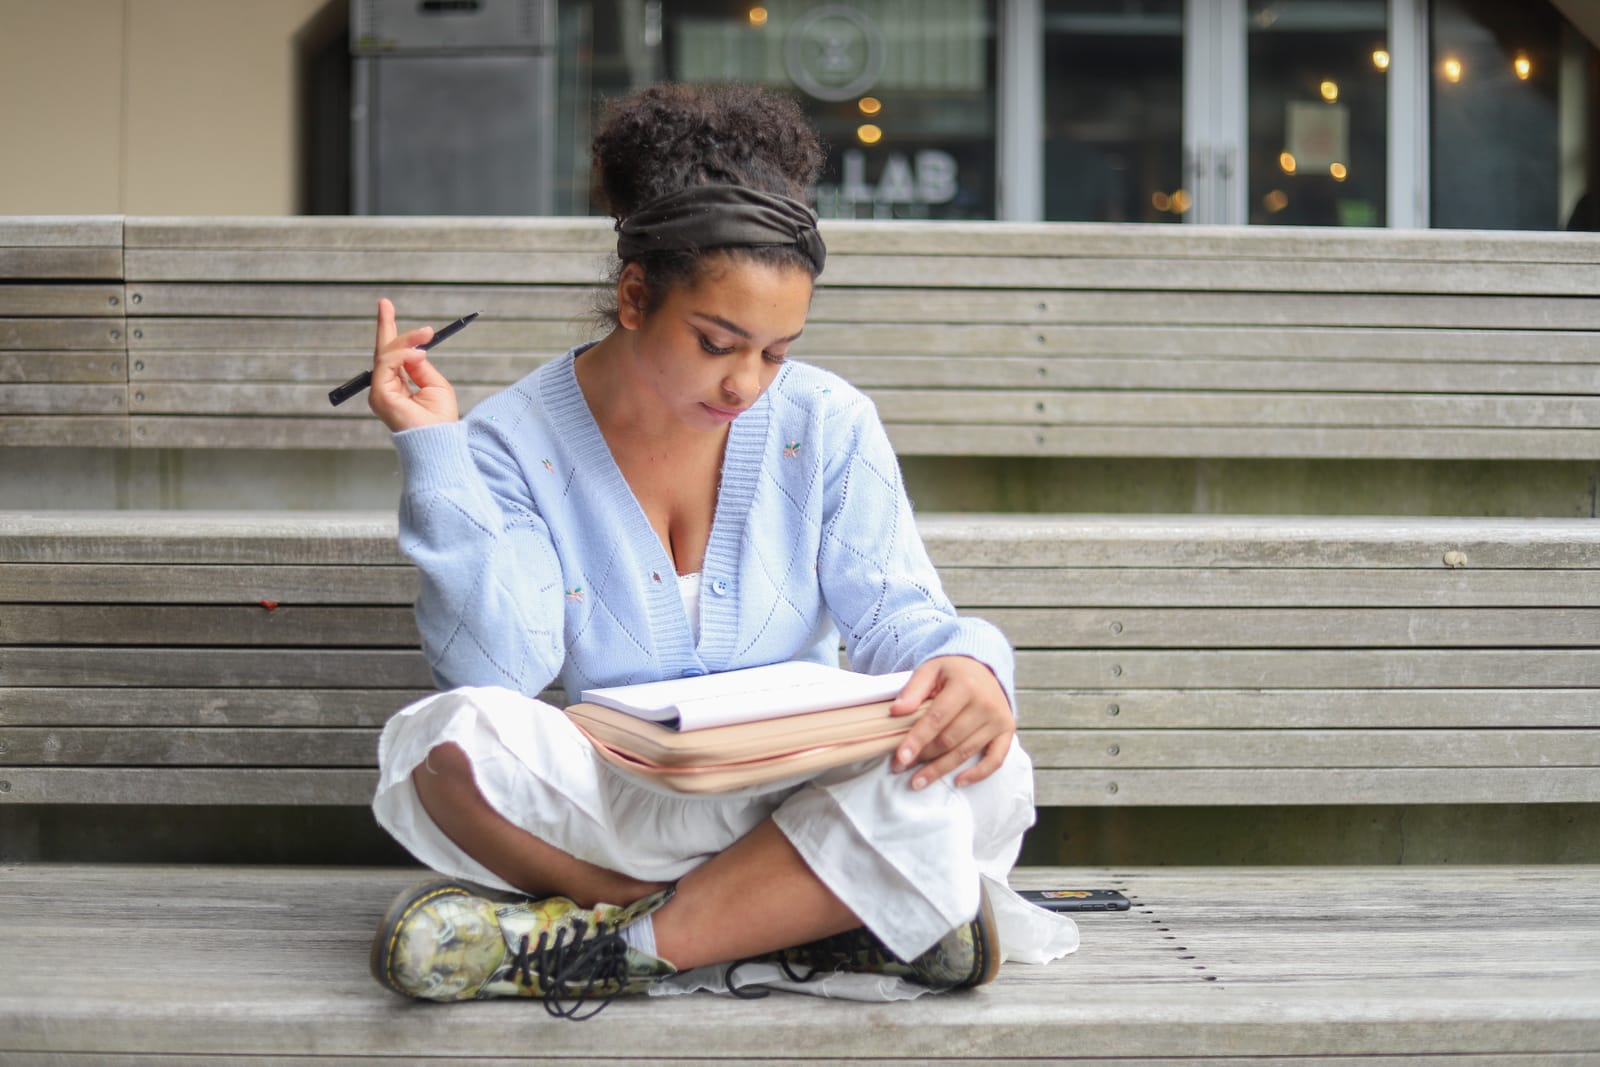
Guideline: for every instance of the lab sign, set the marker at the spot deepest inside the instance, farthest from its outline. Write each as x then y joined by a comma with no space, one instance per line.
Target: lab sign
926,177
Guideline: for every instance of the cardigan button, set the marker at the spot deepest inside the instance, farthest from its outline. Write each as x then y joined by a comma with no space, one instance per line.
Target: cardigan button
720,586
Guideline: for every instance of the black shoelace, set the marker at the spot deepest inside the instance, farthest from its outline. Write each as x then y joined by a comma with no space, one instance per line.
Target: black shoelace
830,954
574,970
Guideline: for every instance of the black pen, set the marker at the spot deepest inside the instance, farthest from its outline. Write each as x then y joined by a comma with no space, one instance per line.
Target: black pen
364,379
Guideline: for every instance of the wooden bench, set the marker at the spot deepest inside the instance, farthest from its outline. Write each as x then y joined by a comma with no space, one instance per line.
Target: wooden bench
1215,967
974,339
184,658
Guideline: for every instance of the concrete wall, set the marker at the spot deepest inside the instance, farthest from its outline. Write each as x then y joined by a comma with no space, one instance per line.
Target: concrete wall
149,107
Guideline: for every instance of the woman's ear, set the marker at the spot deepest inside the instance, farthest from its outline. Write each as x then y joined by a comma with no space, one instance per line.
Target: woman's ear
632,297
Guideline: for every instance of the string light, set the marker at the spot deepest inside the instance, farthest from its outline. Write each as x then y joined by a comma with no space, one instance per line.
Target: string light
1338,171
1451,68
1330,91
867,133
1380,59
1522,65
869,105
758,17
1275,201
1286,161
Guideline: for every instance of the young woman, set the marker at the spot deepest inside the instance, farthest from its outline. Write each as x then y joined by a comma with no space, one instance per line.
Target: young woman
674,499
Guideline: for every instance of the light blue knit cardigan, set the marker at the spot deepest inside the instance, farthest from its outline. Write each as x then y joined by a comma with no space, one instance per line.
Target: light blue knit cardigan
536,560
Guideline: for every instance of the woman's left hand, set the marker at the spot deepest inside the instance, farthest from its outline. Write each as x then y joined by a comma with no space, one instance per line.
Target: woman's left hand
968,715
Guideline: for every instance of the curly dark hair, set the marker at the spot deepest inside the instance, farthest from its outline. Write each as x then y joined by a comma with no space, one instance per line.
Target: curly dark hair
667,138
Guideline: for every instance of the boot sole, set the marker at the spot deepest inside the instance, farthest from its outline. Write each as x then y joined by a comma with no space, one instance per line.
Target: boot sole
399,913
986,946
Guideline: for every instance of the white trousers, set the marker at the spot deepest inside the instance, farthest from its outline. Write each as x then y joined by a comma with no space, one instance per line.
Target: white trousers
906,862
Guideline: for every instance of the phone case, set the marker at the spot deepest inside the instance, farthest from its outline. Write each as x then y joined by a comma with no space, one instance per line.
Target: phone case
1076,899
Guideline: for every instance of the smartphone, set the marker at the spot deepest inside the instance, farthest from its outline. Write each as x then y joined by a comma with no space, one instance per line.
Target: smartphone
1075,899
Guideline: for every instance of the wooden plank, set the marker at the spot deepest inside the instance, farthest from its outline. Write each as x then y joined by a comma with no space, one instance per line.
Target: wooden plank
971,588
1311,749
312,265
1244,442
848,238
1265,411
61,300
346,431
66,706
207,584
188,746
351,338
161,625
267,668
63,367
1184,542
53,399
1305,709
1303,785
1193,542
73,431
976,588
46,231
90,335
1317,628
1504,669
188,785
869,372
308,538
37,264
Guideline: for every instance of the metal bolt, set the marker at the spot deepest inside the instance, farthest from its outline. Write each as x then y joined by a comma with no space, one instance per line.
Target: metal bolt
1113,710
138,364
5,787
1111,787
1116,670
1038,405
1112,750
138,334
137,298
138,396
1116,627
116,335
4,747
115,301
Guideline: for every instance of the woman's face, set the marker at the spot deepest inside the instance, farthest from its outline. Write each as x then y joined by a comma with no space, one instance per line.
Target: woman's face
709,350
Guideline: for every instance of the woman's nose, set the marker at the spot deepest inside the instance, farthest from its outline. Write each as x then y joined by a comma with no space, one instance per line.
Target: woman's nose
743,382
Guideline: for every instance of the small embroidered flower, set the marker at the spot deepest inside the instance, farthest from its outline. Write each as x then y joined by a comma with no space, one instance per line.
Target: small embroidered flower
791,450
655,576
824,390
575,594
551,467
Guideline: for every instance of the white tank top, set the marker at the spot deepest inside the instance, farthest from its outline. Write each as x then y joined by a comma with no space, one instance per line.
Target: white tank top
689,590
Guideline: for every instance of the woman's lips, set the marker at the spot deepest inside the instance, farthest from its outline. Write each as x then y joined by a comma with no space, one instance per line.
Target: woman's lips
727,414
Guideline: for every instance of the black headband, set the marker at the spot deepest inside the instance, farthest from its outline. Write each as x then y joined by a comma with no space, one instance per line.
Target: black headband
716,216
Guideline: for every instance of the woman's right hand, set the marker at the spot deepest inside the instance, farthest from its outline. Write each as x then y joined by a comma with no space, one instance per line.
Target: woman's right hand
397,364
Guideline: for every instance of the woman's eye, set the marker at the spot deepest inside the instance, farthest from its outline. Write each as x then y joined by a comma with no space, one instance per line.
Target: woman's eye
774,357
706,344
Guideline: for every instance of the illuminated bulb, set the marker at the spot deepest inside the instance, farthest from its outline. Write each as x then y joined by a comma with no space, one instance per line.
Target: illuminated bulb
1180,201
1160,201
1338,171
1286,161
758,16
1330,91
1522,65
1275,201
867,133
1380,59
1451,69
869,105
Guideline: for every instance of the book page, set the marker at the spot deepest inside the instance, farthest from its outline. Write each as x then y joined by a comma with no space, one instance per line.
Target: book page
749,695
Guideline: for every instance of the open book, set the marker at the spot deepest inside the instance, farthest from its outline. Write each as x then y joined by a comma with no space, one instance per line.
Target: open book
749,727
748,695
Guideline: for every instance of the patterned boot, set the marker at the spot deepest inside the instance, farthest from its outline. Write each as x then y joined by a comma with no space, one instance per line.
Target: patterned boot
448,940
967,956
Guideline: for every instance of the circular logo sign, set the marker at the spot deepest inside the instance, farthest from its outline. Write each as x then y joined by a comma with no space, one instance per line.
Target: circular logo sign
834,52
